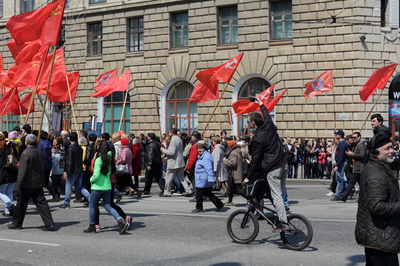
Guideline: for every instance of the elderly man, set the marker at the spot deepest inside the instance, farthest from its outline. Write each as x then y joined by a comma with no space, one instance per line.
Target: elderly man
30,182
378,215
175,163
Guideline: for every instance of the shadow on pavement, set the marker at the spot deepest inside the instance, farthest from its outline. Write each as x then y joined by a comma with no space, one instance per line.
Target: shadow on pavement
227,264
355,260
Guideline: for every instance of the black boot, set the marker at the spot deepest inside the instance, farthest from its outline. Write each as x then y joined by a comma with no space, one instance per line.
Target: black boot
123,226
90,229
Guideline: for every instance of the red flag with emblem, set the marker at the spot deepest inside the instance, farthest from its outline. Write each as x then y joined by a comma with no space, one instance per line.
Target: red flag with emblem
103,79
378,81
319,85
245,106
207,89
43,23
26,73
118,83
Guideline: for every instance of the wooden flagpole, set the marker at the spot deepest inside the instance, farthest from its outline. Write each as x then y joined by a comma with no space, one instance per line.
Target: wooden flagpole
215,108
370,111
8,101
47,90
36,87
158,114
123,110
72,103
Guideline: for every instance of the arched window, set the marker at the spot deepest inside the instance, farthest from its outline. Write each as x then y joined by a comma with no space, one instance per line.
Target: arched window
251,87
113,105
181,113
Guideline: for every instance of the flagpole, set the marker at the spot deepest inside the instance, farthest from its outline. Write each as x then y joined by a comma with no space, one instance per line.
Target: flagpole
47,90
72,104
8,101
35,88
123,110
215,108
158,115
370,111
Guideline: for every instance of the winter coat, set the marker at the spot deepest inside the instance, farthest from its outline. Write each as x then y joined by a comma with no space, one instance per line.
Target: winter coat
234,164
125,157
153,154
136,159
31,174
174,153
265,148
204,171
192,156
73,159
220,171
359,156
98,180
8,174
378,215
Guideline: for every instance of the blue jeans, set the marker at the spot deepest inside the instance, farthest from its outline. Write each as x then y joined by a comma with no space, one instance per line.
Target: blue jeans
7,194
95,196
75,179
341,183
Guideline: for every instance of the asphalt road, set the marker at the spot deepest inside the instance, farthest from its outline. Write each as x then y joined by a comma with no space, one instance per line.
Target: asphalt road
167,233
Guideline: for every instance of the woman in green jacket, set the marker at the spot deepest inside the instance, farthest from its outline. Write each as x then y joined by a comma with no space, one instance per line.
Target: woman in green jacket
101,186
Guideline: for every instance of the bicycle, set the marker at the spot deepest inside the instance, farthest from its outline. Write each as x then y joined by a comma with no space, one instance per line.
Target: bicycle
243,225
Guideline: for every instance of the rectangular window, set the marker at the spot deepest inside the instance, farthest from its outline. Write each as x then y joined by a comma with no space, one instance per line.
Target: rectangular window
95,33
227,25
135,34
113,106
96,1
179,29
281,20
27,6
1,8
10,121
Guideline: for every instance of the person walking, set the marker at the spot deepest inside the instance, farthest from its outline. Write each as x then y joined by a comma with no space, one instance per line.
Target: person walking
378,214
221,174
175,164
204,176
136,161
152,156
340,158
30,182
234,164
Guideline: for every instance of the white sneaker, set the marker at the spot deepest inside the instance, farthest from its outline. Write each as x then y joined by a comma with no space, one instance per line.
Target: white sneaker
330,194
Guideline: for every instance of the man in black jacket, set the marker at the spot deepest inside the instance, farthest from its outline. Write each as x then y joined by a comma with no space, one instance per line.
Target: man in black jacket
378,215
73,170
30,182
267,157
154,165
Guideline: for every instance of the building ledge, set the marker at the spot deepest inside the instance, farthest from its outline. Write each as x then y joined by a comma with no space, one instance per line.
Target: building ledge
94,57
134,54
280,42
179,50
227,46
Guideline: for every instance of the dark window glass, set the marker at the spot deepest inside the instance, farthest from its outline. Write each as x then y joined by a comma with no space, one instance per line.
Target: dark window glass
227,25
27,5
281,20
179,30
135,34
113,105
95,33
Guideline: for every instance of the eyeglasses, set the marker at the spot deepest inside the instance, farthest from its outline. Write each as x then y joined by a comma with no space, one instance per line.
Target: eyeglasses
354,137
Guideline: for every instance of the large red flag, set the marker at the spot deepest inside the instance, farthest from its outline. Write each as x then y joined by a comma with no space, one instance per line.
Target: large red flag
271,105
59,69
23,106
209,78
9,102
43,23
58,92
25,52
103,79
245,106
7,76
118,83
319,85
378,81
26,73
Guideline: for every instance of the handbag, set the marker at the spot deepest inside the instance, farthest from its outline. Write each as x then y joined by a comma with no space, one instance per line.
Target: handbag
122,169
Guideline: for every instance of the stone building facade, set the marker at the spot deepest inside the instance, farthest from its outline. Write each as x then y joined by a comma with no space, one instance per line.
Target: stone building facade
352,38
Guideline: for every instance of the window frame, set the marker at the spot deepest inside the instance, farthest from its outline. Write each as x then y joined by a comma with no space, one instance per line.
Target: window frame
284,22
220,27
109,104
30,3
139,33
96,1
175,101
1,8
184,33
92,41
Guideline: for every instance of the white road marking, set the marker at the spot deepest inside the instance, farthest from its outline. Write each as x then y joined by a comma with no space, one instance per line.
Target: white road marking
30,242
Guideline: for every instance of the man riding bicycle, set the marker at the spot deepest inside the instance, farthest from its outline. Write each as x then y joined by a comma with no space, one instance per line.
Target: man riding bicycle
267,159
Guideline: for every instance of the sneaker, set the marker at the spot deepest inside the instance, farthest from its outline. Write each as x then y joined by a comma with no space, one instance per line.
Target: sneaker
228,204
123,226
65,206
330,194
14,226
48,228
128,220
90,229
197,210
98,229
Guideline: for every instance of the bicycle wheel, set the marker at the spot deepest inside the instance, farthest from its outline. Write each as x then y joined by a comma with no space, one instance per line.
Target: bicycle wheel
300,234
242,226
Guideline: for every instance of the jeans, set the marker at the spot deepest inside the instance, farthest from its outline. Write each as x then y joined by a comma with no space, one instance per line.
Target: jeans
341,183
283,173
7,194
274,182
75,179
95,196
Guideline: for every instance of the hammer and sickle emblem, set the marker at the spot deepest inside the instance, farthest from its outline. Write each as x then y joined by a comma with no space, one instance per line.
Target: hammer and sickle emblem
55,11
122,77
232,64
35,63
105,78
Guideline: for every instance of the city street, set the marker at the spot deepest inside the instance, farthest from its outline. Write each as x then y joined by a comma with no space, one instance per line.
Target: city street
167,233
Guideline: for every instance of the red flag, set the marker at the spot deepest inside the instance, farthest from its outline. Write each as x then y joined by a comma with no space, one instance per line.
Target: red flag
319,85
59,69
43,23
26,74
9,102
7,76
1,64
202,93
271,105
58,92
103,79
378,81
23,106
245,106
25,52
209,80
118,83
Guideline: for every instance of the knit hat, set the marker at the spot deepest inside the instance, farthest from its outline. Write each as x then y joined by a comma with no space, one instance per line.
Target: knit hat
379,140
